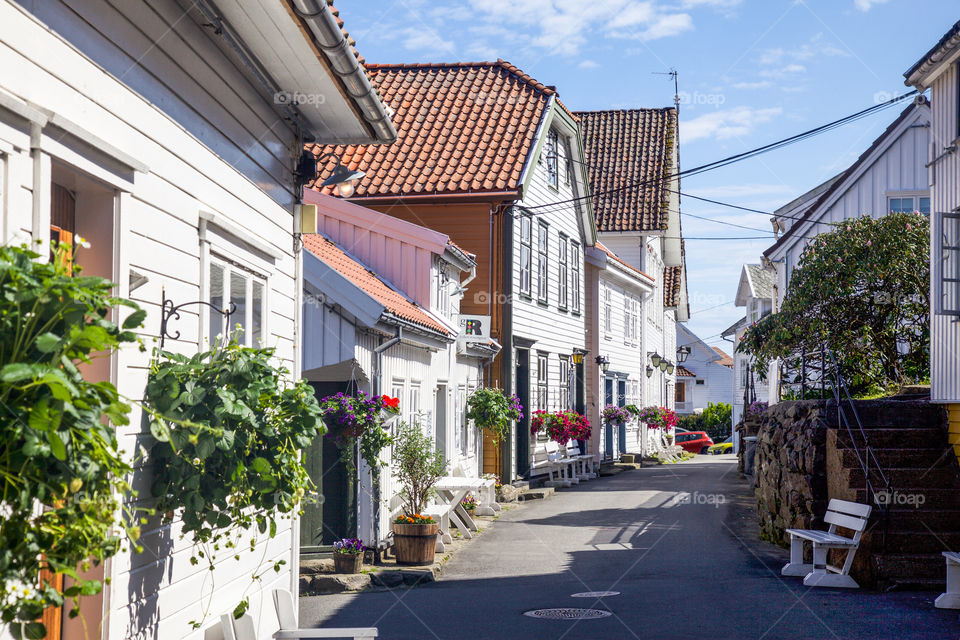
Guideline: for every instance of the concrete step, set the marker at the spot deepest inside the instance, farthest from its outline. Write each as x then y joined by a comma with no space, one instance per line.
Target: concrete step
932,497
908,567
916,541
921,517
902,457
535,494
883,437
944,477
899,414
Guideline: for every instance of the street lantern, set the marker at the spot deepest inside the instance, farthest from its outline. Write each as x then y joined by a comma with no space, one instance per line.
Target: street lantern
682,353
578,356
342,176
604,363
663,365
670,368
649,371
655,359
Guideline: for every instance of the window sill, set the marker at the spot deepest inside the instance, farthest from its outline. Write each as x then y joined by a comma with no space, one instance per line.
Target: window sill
543,303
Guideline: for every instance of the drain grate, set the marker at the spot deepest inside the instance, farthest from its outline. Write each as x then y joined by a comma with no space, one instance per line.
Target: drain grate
595,594
567,613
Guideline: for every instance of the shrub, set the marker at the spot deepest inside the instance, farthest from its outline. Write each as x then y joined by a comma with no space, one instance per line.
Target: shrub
418,466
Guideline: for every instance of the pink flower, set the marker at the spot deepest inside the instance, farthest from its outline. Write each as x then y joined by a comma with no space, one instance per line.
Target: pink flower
909,227
869,243
839,259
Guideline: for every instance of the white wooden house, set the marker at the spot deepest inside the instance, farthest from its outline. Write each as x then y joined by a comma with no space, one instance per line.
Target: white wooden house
616,295
641,228
153,130
755,294
509,187
889,176
938,72
705,376
381,311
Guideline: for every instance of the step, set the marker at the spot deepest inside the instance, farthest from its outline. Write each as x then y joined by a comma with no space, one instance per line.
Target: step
910,567
892,413
892,437
933,497
535,494
921,517
917,541
905,457
944,477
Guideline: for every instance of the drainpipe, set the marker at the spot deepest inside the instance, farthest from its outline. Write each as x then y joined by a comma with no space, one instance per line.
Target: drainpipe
378,390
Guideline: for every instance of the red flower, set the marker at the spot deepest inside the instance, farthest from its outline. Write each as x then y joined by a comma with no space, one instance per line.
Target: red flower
391,403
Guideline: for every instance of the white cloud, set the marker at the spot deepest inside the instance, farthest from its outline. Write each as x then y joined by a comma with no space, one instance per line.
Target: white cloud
866,5
423,39
723,125
588,64
762,84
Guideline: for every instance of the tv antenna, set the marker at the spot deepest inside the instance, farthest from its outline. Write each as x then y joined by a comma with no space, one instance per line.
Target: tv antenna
676,85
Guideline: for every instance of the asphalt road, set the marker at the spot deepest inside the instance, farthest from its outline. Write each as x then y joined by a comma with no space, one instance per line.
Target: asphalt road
677,542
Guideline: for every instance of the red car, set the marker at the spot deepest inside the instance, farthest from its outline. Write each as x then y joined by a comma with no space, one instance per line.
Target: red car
693,441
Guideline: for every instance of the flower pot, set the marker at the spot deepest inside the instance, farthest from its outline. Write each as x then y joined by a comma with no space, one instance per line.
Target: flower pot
347,562
415,543
627,457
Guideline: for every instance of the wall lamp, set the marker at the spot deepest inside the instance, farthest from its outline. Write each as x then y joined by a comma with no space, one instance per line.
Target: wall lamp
682,353
655,359
670,368
604,363
649,371
344,178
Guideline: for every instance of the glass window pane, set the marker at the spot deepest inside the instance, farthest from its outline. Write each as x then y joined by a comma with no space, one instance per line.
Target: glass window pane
256,329
924,206
216,299
894,205
238,296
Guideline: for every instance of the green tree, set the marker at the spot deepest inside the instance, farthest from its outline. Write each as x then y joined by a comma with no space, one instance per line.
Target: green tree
862,290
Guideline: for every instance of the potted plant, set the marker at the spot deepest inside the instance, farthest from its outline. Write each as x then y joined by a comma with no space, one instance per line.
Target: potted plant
614,414
348,555
561,426
418,466
470,503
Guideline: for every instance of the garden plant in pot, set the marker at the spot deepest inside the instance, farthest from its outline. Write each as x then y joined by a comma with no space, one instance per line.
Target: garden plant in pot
418,466
348,555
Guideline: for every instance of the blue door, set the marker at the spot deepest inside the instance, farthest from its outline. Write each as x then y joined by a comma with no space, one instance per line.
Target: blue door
607,427
622,427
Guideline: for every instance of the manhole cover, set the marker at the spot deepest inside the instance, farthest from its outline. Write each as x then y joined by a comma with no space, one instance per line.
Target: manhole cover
567,613
595,594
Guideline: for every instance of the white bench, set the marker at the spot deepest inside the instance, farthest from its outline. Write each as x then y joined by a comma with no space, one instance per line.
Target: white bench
840,513
486,490
565,465
542,463
950,599
586,463
243,628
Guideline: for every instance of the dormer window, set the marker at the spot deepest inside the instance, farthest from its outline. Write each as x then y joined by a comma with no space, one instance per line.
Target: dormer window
552,151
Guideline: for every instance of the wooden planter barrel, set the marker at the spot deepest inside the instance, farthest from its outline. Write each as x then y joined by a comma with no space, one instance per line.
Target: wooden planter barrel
415,543
347,562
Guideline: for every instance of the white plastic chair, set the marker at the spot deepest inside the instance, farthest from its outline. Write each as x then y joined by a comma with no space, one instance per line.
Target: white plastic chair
243,628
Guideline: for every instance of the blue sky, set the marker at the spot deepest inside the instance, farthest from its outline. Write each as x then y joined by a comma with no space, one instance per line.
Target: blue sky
750,71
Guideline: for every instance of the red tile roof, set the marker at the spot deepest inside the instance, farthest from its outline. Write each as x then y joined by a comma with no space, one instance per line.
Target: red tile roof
612,255
624,148
725,358
462,127
393,301
683,372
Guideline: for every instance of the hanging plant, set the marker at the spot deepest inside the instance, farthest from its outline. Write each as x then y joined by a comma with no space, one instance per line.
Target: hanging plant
658,417
492,411
561,426
353,418
229,430
614,414
61,473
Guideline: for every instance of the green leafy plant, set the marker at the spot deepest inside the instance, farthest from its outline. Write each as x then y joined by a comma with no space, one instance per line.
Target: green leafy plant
61,472
862,290
417,465
353,418
715,420
493,411
229,430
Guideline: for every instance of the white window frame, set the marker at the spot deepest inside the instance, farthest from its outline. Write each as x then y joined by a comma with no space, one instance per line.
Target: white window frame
553,160
526,254
563,272
575,276
543,381
607,311
564,388
230,267
543,262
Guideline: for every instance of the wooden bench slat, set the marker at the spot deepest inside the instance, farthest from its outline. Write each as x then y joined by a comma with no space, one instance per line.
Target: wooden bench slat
847,522
850,508
822,537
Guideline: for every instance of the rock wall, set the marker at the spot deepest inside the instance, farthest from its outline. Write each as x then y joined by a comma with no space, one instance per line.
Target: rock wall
790,472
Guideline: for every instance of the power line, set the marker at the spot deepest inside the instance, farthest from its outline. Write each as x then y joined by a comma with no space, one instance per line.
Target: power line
729,224
740,156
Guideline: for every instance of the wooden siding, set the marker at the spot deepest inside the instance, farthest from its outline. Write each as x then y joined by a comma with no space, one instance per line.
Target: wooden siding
945,180
188,115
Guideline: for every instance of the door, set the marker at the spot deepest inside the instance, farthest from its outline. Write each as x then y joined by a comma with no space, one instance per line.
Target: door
607,427
440,421
622,427
334,514
523,426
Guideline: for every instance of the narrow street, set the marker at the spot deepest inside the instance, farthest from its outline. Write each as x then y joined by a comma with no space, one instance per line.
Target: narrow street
678,544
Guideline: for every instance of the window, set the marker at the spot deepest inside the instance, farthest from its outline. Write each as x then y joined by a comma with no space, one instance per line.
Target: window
542,380
681,393
634,331
230,284
460,416
607,311
552,159
909,205
575,276
543,262
413,409
701,382
567,165
563,274
526,252
627,319
565,382
949,265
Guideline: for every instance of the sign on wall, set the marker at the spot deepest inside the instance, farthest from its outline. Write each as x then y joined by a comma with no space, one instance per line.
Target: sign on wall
474,328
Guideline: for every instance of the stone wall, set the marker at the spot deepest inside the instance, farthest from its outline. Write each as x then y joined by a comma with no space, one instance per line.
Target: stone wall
790,470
